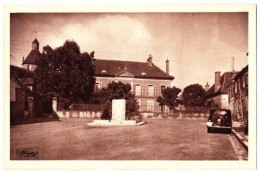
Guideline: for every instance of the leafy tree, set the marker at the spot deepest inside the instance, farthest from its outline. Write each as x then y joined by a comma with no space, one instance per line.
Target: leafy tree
65,72
120,91
193,95
169,97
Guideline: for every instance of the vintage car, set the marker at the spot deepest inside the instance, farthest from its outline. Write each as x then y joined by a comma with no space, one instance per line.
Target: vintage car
219,120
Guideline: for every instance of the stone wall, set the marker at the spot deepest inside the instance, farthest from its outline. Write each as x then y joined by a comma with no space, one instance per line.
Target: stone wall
78,114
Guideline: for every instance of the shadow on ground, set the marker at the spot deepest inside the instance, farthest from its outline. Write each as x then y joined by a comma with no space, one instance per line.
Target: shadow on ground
35,120
44,118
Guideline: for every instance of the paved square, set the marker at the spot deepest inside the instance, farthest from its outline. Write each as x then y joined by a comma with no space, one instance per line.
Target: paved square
159,139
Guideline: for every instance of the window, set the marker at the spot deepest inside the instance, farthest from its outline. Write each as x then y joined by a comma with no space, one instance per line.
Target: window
29,67
150,106
238,86
97,86
96,102
243,80
30,87
138,89
150,90
161,108
140,105
161,89
143,74
167,109
246,80
104,71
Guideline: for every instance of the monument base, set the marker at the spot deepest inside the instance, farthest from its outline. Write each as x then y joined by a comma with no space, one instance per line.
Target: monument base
114,123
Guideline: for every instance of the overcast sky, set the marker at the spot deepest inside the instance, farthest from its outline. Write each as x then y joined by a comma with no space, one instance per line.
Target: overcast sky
196,44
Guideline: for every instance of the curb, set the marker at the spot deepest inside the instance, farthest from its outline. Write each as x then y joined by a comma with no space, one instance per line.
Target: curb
241,139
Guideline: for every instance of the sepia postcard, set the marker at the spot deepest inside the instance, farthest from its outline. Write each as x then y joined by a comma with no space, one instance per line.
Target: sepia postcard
130,87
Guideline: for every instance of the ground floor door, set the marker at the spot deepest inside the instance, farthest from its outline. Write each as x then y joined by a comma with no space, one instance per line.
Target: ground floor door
46,107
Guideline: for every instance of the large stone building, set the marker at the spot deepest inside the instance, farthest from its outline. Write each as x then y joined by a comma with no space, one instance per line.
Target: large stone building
146,80
217,95
238,96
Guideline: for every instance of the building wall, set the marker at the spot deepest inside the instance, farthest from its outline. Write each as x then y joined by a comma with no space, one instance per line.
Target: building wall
144,98
13,85
238,98
221,101
30,67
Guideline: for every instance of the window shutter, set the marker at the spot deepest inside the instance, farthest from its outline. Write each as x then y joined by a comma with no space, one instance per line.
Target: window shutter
146,90
154,90
141,89
134,89
160,92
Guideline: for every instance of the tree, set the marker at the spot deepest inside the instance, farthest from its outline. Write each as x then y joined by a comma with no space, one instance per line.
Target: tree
120,90
193,95
65,72
169,97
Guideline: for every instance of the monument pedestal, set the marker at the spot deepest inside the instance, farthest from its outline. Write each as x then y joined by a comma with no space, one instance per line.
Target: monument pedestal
118,115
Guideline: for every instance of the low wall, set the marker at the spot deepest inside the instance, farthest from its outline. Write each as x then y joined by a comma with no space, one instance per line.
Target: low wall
78,114
175,115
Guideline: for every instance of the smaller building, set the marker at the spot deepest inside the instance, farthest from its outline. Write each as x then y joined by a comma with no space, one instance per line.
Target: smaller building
238,96
217,95
21,87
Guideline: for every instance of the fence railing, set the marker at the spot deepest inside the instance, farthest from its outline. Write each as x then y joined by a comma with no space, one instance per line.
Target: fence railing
88,107
193,110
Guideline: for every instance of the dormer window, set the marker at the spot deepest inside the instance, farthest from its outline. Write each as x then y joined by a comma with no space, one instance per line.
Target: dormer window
143,74
104,71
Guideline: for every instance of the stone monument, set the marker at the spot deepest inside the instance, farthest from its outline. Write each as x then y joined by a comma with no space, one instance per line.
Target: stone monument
118,115
118,110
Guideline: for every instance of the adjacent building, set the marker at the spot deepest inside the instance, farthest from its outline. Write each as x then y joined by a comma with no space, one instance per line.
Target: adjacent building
24,100
146,80
238,96
217,95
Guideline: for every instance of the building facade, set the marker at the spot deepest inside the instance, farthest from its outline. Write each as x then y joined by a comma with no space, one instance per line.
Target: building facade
238,96
217,95
146,80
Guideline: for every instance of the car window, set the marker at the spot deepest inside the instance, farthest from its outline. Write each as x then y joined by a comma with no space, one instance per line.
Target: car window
220,112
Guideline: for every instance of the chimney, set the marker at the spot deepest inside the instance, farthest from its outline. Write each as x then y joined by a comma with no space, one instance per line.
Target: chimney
207,87
217,81
167,66
150,60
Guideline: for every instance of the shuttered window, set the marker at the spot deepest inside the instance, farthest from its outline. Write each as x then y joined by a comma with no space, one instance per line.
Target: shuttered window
151,90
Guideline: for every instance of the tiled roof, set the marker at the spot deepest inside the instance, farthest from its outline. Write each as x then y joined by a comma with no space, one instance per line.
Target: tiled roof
32,57
113,67
225,80
19,72
22,77
244,70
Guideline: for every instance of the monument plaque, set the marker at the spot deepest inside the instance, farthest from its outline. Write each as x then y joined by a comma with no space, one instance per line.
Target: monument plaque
118,109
